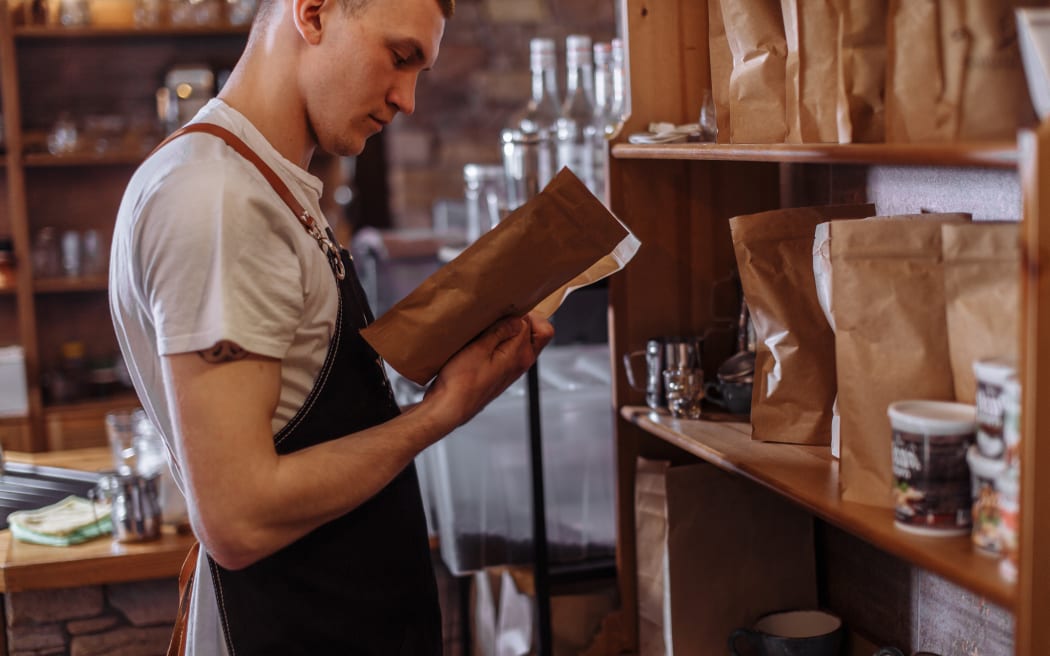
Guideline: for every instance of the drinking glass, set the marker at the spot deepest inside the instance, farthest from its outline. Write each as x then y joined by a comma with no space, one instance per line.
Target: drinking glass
684,389
120,430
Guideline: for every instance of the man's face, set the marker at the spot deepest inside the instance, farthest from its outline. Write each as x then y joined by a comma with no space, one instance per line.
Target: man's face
364,69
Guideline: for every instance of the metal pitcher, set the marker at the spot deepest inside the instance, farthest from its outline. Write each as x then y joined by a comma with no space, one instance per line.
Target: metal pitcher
134,505
662,353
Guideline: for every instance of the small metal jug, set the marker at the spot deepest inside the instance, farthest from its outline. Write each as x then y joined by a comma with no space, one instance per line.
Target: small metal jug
662,353
134,505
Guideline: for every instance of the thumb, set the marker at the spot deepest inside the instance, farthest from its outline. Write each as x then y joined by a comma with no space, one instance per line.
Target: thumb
503,330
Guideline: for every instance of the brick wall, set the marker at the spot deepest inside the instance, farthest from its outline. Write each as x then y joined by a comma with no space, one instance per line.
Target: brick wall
481,77
122,619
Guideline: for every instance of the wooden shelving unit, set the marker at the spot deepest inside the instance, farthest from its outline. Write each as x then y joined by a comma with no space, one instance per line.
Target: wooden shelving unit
677,199
809,476
117,70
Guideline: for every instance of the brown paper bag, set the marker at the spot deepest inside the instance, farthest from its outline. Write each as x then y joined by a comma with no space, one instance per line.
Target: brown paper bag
982,271
955,71
994,99
755,31
561,239
795,360
812,91
862,65
915,79
891,338
693,519
721,58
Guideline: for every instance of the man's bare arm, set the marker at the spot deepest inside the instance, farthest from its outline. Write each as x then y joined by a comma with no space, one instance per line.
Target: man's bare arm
248,502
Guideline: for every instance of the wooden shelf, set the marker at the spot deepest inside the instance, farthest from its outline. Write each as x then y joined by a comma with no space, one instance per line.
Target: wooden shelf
71,284
110,31
116,157
809,476
990,154
96,405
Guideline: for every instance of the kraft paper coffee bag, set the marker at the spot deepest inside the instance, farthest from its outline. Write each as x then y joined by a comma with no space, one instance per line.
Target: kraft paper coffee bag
955,71
813,95
755,31
982,273
794,384
862,62
891,340
560,240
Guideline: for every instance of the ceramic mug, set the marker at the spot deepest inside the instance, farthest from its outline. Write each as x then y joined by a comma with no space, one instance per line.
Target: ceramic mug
792,633
734,397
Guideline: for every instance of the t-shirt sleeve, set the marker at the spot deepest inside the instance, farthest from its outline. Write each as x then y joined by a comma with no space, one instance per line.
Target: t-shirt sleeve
218,262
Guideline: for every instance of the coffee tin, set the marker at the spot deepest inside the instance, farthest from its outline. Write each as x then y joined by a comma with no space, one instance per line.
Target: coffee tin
991,378
984,473
931,480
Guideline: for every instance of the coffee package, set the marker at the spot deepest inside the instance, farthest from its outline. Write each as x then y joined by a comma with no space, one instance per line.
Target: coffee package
755,32
813,96
862,66
794,384
954,71
891,341
560,240
982,273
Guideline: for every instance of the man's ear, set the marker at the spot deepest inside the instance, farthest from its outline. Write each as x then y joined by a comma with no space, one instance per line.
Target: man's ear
307,15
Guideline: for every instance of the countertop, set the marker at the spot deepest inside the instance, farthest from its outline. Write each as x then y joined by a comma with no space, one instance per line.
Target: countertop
26,566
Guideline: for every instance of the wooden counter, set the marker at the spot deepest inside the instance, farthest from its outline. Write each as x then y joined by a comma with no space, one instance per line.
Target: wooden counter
26,566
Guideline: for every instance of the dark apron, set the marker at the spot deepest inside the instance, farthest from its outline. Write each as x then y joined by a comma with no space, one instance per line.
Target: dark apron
363,583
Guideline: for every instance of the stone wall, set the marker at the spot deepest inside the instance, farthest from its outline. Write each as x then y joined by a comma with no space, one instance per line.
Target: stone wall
481,77
121,619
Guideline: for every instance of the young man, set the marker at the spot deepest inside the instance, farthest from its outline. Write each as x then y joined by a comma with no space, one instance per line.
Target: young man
242,338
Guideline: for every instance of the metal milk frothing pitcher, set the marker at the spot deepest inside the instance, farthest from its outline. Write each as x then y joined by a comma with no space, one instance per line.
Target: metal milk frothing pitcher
134,505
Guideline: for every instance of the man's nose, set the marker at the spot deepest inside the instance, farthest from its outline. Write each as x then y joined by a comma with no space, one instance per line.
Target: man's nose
403,94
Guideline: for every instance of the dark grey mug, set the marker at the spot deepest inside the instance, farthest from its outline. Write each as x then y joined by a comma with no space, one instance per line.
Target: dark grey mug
734,397
791,633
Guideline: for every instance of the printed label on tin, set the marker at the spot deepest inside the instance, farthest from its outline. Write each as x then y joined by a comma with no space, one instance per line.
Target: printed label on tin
931,480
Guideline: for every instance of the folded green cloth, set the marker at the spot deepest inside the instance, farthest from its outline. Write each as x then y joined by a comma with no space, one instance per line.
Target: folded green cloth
70,521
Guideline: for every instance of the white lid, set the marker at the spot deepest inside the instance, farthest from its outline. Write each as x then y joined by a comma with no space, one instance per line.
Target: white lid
994,370
11,354
982,466
933,417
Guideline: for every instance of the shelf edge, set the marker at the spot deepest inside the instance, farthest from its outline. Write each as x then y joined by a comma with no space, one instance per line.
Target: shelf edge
979,574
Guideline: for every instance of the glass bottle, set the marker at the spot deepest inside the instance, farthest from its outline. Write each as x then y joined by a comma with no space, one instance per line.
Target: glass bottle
579,137
603,89
620,83
537,119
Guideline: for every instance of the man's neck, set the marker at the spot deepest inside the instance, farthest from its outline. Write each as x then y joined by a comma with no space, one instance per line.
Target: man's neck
261,88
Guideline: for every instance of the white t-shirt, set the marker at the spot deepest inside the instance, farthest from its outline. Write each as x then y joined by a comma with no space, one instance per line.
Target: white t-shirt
204,250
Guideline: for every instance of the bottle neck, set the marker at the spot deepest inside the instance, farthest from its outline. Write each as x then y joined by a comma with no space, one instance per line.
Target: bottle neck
544,85
580,77
603,86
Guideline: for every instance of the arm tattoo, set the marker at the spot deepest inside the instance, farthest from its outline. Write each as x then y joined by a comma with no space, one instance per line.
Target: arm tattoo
223,351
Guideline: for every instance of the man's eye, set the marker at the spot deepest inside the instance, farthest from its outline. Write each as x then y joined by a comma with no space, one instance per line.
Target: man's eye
399,61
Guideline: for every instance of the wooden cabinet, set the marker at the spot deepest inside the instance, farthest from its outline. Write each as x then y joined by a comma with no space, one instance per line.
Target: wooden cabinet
678,199
107,74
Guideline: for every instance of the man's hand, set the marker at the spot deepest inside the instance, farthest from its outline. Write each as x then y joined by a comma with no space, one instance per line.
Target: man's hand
487,366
